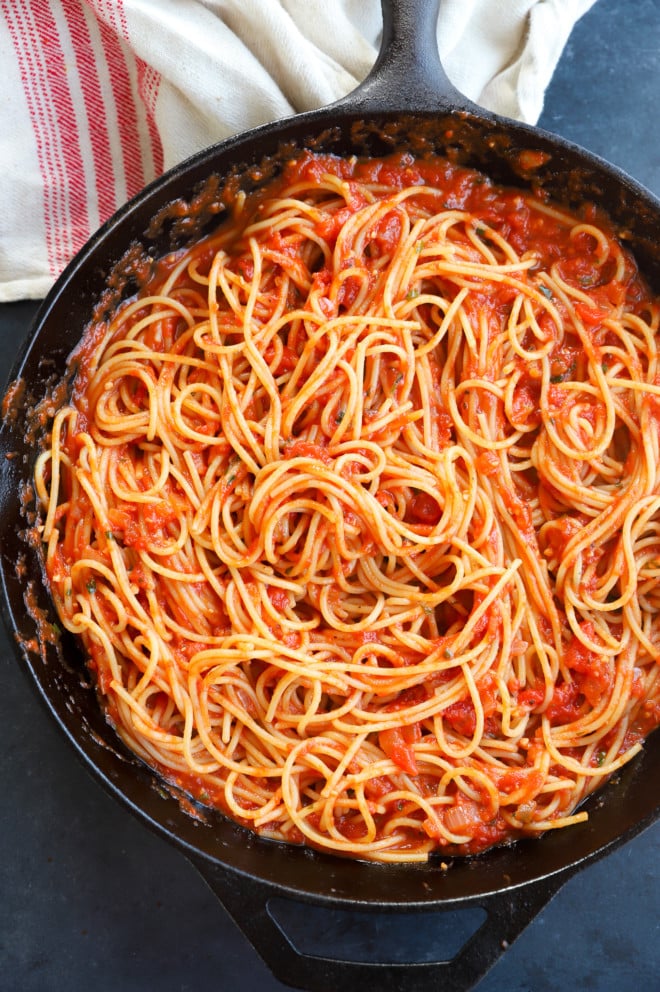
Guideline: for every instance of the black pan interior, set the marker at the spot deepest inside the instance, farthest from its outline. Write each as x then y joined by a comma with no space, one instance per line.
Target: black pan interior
174,210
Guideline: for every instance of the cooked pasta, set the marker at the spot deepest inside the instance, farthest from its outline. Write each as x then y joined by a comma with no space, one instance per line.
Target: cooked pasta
355,509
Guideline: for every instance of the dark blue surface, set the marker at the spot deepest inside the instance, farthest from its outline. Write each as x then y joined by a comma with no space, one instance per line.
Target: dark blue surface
90,899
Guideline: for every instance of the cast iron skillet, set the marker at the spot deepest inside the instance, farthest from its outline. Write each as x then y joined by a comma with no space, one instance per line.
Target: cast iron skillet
406,102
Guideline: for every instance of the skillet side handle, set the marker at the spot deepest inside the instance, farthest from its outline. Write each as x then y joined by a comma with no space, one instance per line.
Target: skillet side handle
408,74
508,913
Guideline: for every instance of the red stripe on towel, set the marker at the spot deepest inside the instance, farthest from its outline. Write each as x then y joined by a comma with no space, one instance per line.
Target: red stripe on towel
95,107
42,67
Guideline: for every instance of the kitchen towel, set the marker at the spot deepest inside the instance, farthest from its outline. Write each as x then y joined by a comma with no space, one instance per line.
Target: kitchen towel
100,96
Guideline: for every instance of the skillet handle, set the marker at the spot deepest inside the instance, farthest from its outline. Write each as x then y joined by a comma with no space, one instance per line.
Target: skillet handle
408,73
247,899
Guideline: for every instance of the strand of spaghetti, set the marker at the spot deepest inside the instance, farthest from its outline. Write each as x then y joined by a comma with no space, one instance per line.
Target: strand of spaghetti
54,456
570,764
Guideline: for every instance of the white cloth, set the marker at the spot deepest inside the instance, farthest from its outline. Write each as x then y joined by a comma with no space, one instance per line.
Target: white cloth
99,96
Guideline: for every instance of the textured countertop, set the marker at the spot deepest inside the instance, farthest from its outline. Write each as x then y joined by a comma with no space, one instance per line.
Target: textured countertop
91,899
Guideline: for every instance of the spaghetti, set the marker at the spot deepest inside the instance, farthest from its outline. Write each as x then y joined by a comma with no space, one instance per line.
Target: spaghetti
356,510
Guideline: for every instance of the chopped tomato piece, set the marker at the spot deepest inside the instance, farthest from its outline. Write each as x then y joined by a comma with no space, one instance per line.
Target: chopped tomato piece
590,315
397,743
593,671
305,449
280,598
462,716
424,508
564,706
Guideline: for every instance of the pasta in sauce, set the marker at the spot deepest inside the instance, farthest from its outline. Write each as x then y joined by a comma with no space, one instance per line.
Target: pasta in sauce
356,510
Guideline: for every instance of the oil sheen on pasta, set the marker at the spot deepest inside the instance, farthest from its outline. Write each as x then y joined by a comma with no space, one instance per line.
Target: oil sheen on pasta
356,510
